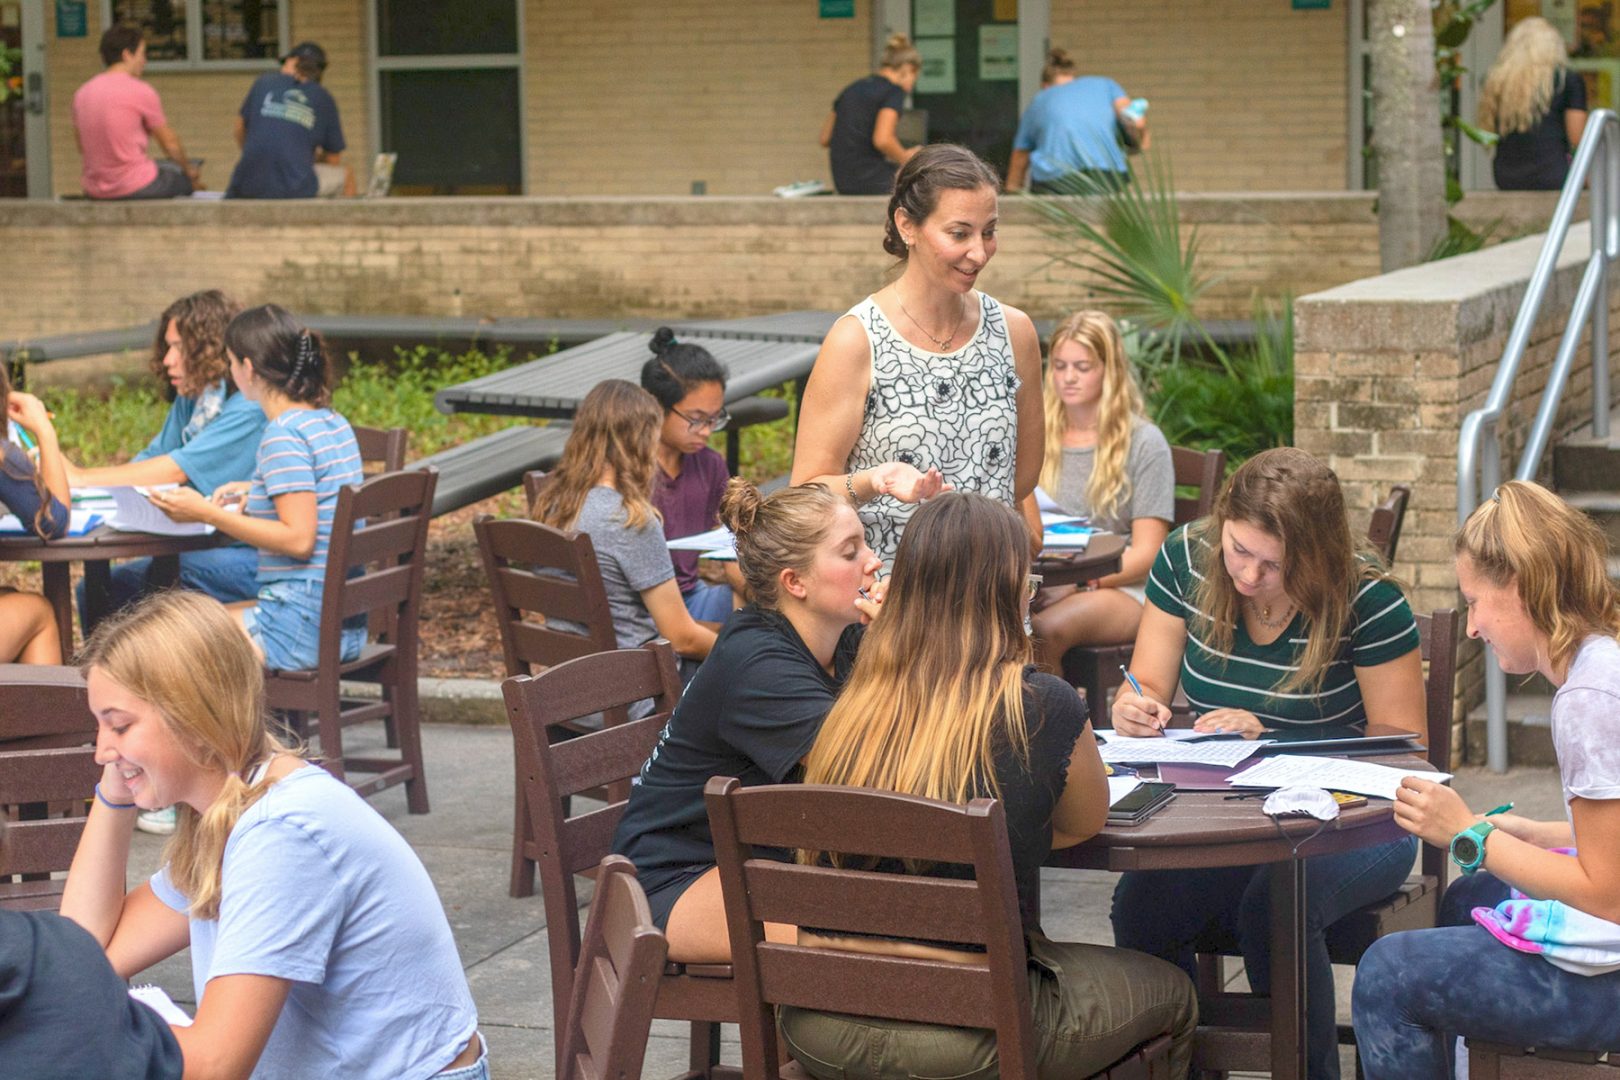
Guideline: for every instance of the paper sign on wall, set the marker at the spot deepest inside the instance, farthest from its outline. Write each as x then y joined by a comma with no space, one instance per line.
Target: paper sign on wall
938,74
933,18
998,53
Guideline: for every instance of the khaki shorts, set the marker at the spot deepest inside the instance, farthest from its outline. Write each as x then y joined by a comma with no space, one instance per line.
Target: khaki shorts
331,179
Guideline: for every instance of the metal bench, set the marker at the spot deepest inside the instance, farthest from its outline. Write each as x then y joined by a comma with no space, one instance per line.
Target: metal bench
492,464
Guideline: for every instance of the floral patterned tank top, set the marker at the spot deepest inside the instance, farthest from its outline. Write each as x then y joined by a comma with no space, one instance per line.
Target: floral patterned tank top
956,412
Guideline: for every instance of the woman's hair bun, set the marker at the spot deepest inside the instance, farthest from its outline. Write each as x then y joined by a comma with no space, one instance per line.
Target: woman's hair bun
739,506
898,41
1058,57
663,340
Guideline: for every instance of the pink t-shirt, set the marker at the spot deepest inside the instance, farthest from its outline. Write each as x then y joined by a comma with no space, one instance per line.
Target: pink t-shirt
114,114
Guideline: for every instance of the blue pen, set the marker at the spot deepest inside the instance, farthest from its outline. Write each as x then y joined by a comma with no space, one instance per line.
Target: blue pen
1132,680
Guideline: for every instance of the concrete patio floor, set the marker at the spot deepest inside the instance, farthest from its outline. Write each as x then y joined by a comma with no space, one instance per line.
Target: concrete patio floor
466,845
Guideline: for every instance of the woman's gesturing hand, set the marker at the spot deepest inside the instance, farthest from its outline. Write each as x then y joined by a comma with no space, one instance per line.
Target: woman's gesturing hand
906,482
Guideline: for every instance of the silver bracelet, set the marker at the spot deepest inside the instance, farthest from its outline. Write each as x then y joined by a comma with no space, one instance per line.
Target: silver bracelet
849,486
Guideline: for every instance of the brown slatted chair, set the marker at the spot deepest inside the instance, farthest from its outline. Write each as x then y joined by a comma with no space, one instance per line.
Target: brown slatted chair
1494,1061
36,786
385,555
552,772
538,573
621,957
982,910
1384,529
382,449
1095,668
43,707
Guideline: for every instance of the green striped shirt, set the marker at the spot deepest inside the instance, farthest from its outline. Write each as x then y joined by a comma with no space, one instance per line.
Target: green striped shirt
1381,629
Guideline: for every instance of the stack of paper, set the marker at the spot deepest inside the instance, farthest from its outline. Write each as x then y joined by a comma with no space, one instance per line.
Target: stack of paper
79,523
1333,774
136,513
1065,531
1126,751
714,544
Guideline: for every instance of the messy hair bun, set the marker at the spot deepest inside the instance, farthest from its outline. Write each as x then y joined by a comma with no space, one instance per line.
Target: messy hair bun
899,52
677,368
1058,62
776,532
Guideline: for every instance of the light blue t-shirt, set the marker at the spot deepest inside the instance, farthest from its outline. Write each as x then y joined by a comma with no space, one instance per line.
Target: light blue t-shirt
318,889
303,450
1072,126
221,452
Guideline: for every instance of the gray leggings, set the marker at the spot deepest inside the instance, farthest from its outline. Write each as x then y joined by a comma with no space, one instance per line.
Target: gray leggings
1092,1005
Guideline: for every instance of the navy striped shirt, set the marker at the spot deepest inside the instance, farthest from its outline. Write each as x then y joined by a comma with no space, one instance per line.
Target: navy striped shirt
1381,629
303,450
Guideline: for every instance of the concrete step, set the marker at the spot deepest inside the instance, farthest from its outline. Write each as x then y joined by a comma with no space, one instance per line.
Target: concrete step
1529,717
1602,507
1583,463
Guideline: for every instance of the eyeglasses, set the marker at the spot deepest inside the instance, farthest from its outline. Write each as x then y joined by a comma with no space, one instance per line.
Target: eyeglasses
695,424
1032,585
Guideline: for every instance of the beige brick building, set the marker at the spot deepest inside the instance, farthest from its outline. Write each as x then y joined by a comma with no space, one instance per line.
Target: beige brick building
656,97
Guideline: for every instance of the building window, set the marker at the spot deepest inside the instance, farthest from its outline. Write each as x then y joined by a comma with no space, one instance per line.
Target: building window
213,34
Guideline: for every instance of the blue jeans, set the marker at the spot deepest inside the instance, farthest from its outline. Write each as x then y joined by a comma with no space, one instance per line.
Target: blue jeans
478,1070
286,625
228,574
1417,991
1174,913
708,602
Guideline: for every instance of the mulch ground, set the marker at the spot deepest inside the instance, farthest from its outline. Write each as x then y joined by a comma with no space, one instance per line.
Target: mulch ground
459,639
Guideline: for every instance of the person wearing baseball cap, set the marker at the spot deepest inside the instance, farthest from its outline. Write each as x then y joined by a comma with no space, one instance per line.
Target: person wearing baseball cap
290,134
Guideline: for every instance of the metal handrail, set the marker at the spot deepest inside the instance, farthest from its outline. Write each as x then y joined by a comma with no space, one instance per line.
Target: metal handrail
1479,458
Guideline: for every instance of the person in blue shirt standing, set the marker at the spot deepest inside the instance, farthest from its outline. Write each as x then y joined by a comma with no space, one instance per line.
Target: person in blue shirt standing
1075,126
290,134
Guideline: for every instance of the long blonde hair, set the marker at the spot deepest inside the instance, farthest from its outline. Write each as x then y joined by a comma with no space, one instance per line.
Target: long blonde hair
1558,558
925,701
1117,412
183,654
1519,87
1292,496
617,425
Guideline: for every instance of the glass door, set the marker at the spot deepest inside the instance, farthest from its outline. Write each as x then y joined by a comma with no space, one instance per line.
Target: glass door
449,95
970,78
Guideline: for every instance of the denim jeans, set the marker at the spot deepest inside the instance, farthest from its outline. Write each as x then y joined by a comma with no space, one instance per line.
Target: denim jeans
1174,913
478,1070
709,602
286,625
1417,991
228,574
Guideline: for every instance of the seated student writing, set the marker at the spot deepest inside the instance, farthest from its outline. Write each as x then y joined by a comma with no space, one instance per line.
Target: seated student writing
207,440
1105,461
318,945
756,703
955,710
1267,617
691,479
1533,573
306,454
65,1014
603,487
37,492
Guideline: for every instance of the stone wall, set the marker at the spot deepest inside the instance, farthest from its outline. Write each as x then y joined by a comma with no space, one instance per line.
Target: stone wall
82,266
1387,367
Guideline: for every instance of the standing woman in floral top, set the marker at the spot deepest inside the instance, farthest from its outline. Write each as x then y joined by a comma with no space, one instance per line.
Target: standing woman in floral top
927,384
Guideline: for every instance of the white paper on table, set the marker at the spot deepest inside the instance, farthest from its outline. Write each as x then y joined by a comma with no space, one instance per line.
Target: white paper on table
1226,753
715,539
136,513
1045,503
1121,786
79,523
155,999
1173,734
1334,774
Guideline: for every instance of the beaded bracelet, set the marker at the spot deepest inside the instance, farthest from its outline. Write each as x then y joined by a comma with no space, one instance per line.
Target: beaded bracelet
110,804
849,486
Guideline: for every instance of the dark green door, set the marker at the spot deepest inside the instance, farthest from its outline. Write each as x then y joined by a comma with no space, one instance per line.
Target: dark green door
979,106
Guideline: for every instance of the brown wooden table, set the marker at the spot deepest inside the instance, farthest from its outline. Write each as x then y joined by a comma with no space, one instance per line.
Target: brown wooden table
1200,829
1100,558
97,549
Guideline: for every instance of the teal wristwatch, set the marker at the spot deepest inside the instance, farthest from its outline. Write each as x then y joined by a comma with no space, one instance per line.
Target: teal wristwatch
1468,846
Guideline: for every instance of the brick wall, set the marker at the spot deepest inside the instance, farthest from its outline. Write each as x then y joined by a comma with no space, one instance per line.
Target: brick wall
202,106
1245,96
1386,369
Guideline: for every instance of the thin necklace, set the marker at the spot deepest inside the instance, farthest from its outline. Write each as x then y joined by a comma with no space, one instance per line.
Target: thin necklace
944,345
1264,615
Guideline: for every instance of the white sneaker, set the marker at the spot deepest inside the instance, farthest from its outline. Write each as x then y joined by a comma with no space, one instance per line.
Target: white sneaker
157,822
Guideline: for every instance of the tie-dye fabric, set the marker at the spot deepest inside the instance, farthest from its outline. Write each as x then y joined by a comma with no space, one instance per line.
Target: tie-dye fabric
1568,937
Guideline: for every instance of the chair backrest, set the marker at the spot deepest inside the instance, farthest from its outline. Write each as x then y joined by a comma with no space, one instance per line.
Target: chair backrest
1384,530
535,569
982,911
1201,469
374,562
43,706
382,449
1439,633
615,982
552,773
34,785
532,482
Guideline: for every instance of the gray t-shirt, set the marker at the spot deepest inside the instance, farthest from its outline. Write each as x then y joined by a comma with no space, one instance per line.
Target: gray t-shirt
631,561
1586,722
1152,492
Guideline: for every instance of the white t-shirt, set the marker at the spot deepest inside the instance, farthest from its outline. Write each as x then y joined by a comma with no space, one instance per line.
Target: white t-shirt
1586,722
318,889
